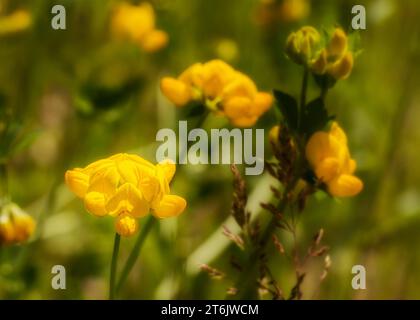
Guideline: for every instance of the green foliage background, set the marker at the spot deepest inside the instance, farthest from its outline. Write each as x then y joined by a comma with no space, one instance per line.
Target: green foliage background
78,97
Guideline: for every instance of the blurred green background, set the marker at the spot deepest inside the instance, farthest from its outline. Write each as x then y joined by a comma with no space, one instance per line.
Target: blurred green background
80,96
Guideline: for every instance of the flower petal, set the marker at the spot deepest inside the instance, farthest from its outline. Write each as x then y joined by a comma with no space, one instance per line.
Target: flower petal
77,181
176,91
154,40
126,225
168,167
327,169
95,203
262,102
170,206
345,186
104,181
128,199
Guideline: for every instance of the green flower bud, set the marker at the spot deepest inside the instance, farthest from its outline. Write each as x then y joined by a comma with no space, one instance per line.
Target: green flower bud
301,45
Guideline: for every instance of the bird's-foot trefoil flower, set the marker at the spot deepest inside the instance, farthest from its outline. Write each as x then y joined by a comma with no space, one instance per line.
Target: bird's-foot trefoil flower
16,226
137,23
331,57
329,158
15,22
222,89
127,187
335,60
302,45
286,11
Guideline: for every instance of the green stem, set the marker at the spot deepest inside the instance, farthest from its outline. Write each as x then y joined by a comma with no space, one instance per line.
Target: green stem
114,266
303,91
4,190
135,252
324,91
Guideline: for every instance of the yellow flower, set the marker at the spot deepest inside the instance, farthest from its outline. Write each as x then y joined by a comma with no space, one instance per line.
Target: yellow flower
222,89
270,11
294,10
154,40
335,60
301,45
127,187
329,157
126,225
17,21
16,226
137,24
227,50
176,91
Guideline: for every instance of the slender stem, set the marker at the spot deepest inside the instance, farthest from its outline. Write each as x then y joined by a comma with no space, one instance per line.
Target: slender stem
4,190
114,266
135,252
324,91
303,91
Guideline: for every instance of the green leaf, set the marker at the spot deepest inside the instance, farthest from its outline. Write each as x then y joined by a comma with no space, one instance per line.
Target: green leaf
315,117
288,107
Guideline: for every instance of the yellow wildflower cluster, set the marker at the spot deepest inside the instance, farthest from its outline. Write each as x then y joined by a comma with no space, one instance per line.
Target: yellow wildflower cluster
137,23
16,226
335,59
15,22
127,187
223,90
329,157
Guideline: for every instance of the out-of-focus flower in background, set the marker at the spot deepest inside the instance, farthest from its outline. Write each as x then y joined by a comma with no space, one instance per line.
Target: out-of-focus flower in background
227,50
16,226
136,23
294,10
222,89
329,157
127,187
287,11
18,21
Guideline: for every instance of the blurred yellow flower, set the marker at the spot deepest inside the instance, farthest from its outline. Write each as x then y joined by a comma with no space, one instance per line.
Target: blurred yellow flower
127,187
17,21
294,10
137,23
335,60
16,226
329,157
222,89
227,50
301,46
287,11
